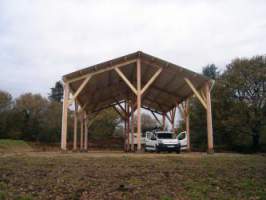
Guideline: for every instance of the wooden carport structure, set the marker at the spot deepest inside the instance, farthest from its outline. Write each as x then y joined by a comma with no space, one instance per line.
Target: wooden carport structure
127,84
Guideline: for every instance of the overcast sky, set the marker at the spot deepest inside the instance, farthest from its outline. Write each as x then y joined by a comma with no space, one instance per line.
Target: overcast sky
42,40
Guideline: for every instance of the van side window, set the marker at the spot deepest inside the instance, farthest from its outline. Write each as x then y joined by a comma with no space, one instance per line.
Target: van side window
181,136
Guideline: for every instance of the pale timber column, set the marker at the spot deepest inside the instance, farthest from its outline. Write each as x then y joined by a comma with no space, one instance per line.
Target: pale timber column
128,126
81,130
187,123
132,128
173,119
125,129
138,104
75,127
163,120
64,117
209,118
86,133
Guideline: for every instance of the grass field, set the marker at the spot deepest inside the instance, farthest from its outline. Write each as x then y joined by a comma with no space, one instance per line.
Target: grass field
114,175
7,145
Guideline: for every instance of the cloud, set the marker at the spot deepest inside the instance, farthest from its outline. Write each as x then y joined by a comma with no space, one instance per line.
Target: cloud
42,40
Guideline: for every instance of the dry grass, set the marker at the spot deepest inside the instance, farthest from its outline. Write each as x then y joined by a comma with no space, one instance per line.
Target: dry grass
116,175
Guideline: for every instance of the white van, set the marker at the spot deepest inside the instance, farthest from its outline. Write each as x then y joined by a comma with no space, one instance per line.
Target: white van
165,141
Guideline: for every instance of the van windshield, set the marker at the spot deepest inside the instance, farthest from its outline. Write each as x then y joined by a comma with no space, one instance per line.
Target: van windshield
164,135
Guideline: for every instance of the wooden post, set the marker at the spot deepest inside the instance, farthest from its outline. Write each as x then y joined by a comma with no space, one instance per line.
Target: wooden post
138,104
75,127
64,118
128,126
172,114
163,120
81,130
125,129
86,132
132,128
186,114
209,118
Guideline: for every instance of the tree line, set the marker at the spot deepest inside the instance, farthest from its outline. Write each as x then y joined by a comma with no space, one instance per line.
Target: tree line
238,107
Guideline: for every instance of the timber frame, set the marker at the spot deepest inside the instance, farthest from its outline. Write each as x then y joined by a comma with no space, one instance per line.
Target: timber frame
128,84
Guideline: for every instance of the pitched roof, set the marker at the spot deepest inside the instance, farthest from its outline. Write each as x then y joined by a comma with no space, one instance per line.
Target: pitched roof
106,88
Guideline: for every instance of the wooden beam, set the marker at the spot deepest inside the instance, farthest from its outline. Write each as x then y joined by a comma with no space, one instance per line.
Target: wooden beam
120,73
209,118
132,127
121,107
138,104
86,133
151,80
169,119
101,71
203,95
125,130
81,109
75,126
181,111
64,117
84,83
81,130
119,113
152,110
196,92
156,118
127,118
173,111
163,120
91,121
186,115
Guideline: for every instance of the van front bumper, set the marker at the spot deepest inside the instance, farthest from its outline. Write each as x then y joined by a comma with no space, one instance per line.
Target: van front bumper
168,147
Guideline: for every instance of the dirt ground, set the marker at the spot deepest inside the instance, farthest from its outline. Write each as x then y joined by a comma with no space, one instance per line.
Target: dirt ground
117,175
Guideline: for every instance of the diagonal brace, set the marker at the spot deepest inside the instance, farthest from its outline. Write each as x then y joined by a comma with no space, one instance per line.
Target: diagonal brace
196,92
120,73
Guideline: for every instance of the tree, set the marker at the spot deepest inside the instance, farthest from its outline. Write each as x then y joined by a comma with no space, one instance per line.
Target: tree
211,71
5,108
32,109
104,124
245,80
57,92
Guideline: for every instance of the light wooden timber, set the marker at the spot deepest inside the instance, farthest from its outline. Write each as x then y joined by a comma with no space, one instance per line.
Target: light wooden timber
209,118
203,95
138,104
75,126
156,118
81,130
153,78
64,117
132,127
81,87
120,73
85,132
186,111
196,92
101,71
163,120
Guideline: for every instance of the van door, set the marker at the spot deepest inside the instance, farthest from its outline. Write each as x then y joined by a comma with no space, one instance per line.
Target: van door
182,137
149,141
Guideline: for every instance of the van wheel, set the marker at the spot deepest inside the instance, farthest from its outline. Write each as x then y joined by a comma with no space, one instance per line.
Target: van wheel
178,151
157,150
